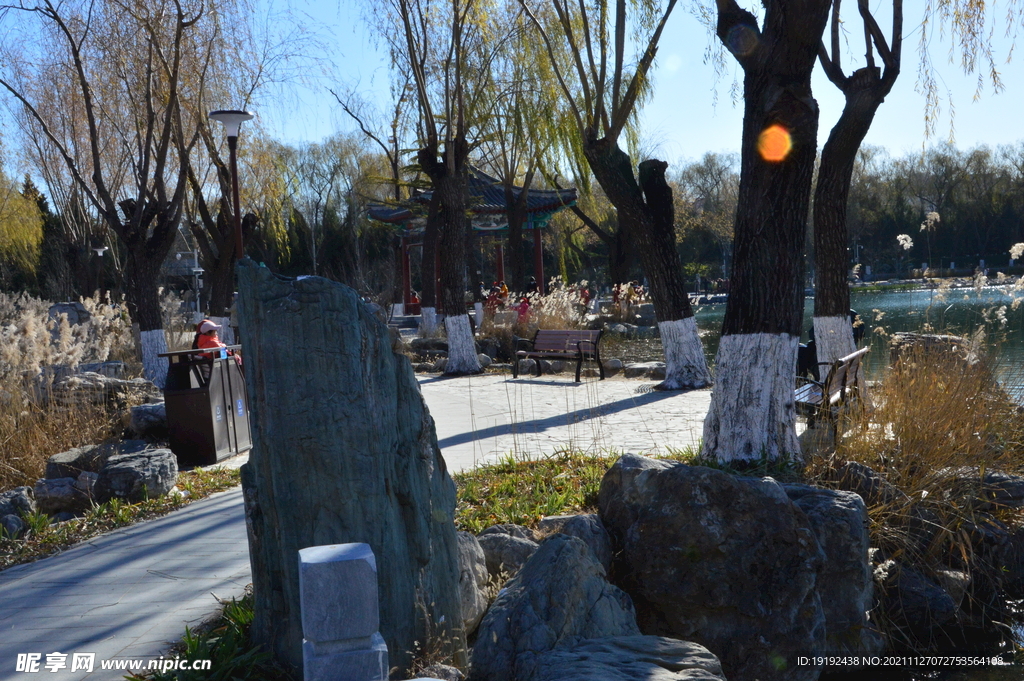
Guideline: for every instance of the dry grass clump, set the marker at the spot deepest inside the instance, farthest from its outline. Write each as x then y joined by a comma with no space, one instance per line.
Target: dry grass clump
940,425
31,345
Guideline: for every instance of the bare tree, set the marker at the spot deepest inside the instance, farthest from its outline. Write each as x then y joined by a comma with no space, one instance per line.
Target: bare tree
593,73
105,89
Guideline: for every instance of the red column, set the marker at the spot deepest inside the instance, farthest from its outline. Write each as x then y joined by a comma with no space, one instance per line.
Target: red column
538,259
406,274
499,259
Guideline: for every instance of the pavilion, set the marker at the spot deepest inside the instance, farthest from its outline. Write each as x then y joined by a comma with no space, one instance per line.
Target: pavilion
486,200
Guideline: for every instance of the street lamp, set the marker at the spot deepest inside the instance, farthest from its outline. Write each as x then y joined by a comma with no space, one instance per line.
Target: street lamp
232,121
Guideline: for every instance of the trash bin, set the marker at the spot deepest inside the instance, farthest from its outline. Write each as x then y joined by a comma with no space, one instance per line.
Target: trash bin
207,406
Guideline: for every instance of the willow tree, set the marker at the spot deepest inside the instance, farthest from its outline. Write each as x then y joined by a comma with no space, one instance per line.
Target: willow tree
603,86
103,82
441,46
752,414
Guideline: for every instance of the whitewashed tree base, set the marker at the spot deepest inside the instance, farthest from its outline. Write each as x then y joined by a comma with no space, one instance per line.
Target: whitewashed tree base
428,321
833,338
152,343
752,413
462,358
686,368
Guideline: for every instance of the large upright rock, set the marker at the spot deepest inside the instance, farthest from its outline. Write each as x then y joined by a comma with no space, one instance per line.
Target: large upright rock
344,451
728,562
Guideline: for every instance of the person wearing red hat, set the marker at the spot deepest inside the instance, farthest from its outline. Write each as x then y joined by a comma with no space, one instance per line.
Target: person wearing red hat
206,338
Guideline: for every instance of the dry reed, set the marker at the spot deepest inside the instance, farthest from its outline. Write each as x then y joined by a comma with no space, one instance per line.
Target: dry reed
32,345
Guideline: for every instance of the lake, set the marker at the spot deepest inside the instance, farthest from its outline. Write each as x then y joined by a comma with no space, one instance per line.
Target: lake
961,312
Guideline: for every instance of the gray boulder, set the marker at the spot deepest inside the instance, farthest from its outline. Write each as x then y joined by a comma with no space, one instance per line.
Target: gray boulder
728,562
845,583
587,527
558,599
426,346
1001,490
12,525
76,312
868,483
72,462
90,458
915,605
629,658
92,388
135,476
505,554
60,494
149,420
472,581
371,469
512,529
17,502
653,370
612,366
484,359
440,672
527,366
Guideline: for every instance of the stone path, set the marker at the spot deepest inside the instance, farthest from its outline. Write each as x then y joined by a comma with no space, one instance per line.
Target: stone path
127,594
130,593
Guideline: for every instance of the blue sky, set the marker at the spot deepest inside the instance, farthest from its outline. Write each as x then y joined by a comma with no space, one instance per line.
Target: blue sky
683,121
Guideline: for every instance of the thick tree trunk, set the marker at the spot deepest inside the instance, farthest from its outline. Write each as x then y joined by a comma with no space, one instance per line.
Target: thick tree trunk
346,454
752,414
516,213
864,94
141,275
449,181
461,346
646,207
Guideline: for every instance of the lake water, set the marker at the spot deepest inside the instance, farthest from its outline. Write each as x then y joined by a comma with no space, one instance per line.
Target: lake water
961,313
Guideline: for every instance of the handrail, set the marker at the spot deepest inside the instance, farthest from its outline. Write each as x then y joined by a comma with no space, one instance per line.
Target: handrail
196,351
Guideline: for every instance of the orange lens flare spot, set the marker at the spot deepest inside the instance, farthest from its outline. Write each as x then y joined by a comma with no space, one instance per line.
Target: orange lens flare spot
775,143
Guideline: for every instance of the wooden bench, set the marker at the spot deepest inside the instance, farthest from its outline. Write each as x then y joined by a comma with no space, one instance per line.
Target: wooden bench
843,382
554,344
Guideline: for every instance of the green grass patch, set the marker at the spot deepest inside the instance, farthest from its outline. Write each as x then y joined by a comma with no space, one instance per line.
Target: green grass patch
43,538
522,491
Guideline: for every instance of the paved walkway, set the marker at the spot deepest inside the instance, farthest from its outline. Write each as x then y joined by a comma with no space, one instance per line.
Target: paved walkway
129,594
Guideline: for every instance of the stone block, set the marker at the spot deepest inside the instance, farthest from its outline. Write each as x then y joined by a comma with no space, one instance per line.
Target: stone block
339,662
338,592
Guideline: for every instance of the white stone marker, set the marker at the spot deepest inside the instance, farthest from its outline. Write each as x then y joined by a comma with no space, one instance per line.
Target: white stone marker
340,618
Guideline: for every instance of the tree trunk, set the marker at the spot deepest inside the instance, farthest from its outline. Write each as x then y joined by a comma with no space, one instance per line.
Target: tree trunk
516,213
347,454
752,413
141,275
428,272
462,357
833,331
645,209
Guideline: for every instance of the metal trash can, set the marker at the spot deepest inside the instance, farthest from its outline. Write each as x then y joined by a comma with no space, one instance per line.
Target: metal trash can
207,406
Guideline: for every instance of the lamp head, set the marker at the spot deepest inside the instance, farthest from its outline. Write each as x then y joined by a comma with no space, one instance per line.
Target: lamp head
231,119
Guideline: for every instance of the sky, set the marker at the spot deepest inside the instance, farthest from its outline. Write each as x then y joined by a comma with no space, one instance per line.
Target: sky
690,113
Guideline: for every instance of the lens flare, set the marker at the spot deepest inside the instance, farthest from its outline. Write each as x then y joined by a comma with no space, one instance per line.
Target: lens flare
741,40
774,144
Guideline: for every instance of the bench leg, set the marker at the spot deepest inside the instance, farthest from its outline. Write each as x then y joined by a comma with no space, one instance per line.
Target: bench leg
579,366
538,366
600,366
515,366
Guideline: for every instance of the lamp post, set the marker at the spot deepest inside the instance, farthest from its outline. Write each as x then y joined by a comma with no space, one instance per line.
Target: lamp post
232,121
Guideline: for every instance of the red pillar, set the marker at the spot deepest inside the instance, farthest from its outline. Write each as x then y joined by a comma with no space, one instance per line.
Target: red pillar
538,259
406,274
499,259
